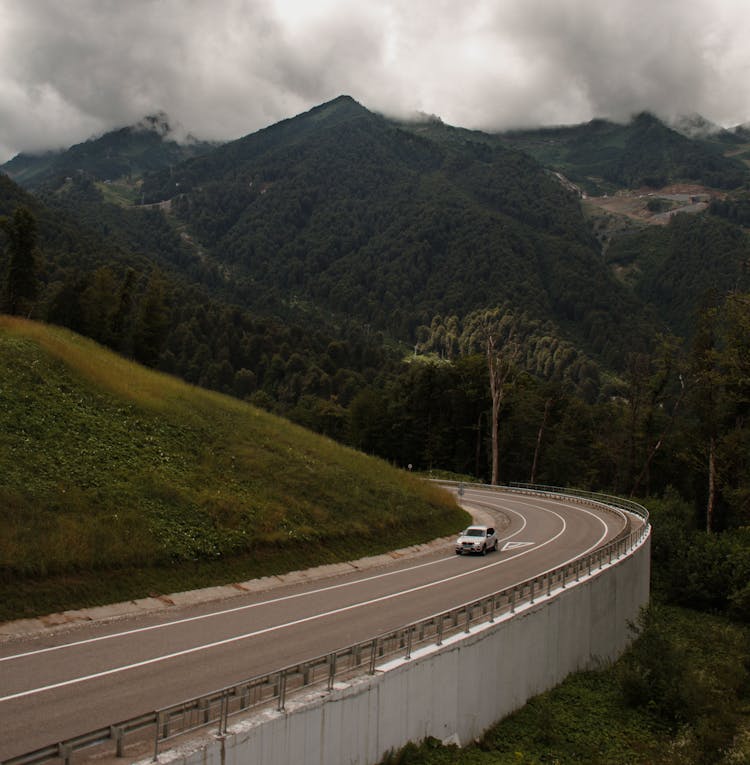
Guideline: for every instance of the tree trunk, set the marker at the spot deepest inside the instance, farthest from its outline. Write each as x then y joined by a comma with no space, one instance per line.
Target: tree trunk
711,484
495,438
479,445
500,366
539,436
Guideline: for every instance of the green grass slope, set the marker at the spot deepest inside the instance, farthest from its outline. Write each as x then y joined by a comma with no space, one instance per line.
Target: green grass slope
118,482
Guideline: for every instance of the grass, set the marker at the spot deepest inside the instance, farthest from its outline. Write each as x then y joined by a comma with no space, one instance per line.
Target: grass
118,193
118,482
594,717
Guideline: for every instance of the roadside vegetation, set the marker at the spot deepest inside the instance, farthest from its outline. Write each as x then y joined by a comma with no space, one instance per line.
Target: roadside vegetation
680,696
119,482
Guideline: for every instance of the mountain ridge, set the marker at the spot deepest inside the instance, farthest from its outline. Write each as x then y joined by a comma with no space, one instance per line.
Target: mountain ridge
340,217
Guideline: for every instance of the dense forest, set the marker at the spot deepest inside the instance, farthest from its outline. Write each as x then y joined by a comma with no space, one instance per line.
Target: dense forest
603,156
364,277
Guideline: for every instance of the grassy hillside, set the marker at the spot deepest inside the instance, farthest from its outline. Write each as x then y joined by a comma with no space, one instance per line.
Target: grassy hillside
118,481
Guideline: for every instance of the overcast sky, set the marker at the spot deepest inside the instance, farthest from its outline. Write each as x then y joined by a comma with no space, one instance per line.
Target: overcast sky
70,69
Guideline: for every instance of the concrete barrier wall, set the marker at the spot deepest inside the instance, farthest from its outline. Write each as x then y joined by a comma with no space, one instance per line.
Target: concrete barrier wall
457,690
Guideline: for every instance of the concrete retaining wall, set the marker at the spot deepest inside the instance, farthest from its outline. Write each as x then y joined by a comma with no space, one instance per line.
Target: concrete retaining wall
457,690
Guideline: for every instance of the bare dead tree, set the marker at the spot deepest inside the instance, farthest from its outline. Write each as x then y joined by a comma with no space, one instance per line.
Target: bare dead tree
501,363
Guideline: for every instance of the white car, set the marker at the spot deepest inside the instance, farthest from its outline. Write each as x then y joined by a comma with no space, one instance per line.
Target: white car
476,539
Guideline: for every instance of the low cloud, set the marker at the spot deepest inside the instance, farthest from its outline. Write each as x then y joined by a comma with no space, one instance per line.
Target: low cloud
224,68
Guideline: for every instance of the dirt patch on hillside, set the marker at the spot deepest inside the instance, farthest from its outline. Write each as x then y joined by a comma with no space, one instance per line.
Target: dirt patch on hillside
655,206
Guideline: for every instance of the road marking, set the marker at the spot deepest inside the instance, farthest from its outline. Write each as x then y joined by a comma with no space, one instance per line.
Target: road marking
237,609
343,609
515,545
266,630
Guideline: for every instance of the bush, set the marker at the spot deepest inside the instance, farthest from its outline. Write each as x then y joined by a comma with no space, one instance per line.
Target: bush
691,673
696,569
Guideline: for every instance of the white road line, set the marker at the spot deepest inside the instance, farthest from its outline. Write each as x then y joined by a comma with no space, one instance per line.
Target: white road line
237,638
224,612
236,609
266,630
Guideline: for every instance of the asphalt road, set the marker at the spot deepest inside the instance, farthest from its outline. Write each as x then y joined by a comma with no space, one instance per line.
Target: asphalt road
56,686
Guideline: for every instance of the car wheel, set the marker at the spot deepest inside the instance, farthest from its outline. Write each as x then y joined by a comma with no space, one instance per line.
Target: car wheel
495,547
458,552
484,549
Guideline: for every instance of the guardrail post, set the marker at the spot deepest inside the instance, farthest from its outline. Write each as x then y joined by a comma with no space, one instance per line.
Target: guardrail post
331,670
467,628
439,640
205,708
224,713
407,655
64,752
492,609
562,575
156,737
590,559
513,600
117,734
282,690
531,599
373,656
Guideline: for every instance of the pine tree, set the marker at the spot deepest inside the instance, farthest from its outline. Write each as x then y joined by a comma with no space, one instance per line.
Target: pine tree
152,322
21,242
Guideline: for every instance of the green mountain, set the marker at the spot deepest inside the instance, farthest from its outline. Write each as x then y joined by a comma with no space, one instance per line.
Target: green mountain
684,266
602,156
298,266
349,224
122,156
339,268
355,215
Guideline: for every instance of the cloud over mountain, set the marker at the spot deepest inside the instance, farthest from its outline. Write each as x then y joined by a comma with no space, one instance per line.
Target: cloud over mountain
222,69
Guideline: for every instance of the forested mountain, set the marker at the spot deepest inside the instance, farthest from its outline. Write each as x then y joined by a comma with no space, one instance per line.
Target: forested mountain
345,270
678,268
125,278
351,213
602,156
123,154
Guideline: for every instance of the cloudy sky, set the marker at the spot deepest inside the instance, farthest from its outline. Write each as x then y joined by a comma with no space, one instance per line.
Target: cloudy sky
70,69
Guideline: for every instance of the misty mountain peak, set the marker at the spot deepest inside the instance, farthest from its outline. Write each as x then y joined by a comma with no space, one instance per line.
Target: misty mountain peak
695,126
155,123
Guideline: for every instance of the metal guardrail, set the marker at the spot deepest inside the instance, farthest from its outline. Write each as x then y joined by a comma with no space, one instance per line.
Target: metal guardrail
272,689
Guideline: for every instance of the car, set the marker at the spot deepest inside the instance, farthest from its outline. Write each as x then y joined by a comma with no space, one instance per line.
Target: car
476,539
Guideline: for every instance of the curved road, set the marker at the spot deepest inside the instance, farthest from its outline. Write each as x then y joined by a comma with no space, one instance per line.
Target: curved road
56,686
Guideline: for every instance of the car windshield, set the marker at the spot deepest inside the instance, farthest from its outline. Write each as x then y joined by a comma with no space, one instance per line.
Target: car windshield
474,532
